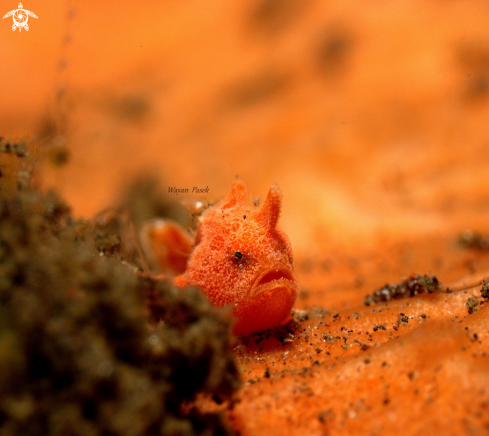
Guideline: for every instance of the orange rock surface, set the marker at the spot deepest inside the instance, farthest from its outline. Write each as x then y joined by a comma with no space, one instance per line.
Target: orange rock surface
372,119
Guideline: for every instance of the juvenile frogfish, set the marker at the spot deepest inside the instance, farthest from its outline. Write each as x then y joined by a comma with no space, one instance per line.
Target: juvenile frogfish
238,258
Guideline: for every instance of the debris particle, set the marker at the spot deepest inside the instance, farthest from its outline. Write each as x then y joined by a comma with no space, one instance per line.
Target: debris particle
413,375
325,415
409,287
473,305
485,288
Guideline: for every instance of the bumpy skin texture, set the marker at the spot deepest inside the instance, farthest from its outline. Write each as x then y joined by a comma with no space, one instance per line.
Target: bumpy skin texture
240,258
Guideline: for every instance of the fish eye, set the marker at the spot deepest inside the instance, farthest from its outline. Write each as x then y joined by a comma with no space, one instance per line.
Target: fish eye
238,255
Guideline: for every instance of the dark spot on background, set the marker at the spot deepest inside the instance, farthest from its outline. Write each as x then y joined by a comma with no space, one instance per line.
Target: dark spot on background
473,60
332,51
131,107
272,16
252,90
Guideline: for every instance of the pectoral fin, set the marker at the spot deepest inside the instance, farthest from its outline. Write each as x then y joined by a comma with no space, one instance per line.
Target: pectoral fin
167,246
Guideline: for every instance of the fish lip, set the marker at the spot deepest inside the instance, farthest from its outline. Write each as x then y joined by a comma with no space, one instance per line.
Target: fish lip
278,276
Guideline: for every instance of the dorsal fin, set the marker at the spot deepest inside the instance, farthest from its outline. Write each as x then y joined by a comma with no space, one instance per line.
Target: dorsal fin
235,196
270,210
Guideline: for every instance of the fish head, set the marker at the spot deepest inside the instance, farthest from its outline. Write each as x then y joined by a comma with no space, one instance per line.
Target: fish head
243,260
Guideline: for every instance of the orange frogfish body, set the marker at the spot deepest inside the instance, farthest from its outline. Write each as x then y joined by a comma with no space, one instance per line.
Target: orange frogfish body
240,258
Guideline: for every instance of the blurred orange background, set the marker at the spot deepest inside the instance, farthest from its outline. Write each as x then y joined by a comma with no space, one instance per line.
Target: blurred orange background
372,117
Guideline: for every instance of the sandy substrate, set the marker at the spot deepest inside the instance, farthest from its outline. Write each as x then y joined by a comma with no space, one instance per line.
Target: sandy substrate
372,120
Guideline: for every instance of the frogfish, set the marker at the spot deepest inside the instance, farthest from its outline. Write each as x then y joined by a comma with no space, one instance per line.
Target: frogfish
238,257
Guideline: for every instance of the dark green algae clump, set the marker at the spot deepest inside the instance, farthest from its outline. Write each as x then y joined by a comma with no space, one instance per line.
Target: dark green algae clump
77,354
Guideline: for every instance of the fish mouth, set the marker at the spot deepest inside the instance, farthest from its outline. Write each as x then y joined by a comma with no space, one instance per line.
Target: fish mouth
269,301
273,278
